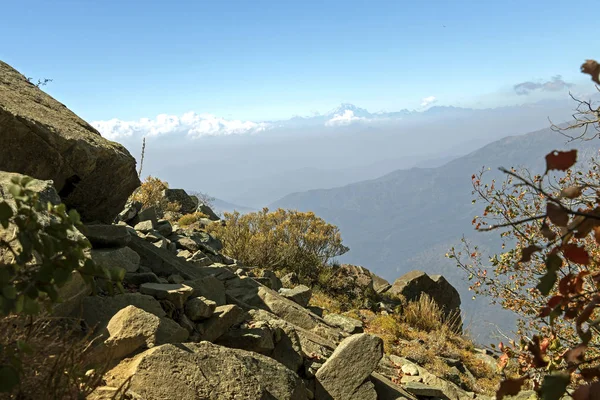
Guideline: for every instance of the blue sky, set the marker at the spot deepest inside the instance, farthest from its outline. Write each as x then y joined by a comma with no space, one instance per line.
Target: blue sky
260,60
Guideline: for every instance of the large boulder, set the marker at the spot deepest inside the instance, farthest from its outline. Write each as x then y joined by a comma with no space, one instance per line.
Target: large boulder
187,202
412,284
344,375
42,138
206,371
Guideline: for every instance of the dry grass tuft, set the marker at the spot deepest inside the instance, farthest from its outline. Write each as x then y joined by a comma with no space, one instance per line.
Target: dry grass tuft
59,364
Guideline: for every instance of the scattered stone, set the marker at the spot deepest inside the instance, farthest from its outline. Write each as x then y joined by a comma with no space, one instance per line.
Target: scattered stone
185,322
206,210
351,363
290,280
148,214
162,244
144,226
138,278
254,336
188,205
414,283
185,254
175,293
164,227
348,324
97,311
187,243
387,390
223,318
410,369
176,278
300,294
421,389
210,288
199,308
316,310
101,235
275,282
132,328
130,211
122,257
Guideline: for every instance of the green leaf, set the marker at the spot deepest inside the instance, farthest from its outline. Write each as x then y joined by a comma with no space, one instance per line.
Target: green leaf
6,213
74,217
547,282
554,386
61,276
24,347
10,292
19,303
9,378
30,306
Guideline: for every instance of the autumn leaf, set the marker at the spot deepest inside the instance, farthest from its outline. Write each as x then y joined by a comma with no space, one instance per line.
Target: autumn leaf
535,349
510,387
557,215
547,232
597,234
560,160
571,192
502,361
579,281
587,392
592,68
576,254
575,355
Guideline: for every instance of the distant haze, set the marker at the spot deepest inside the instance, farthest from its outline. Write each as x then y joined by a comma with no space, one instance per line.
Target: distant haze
253,167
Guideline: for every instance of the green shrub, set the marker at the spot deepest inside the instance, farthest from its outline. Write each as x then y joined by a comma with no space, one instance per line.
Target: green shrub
40,248
286,240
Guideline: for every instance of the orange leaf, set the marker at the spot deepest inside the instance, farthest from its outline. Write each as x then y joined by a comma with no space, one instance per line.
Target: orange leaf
547,232
597,234
571,192
587,392
576,254
579,281
557,215
561,160
575,355
564,285
555,301
591,68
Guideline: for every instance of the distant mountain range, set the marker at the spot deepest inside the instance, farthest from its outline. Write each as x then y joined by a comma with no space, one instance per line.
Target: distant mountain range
408,219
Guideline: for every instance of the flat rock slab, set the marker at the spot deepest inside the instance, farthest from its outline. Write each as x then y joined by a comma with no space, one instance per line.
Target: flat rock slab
223,318
101,235
355,358
199,308
203,370
42,138
300,294
122,257
176,293
348,324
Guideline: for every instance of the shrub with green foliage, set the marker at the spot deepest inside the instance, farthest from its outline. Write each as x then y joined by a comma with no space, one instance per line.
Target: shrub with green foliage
40,248
287,240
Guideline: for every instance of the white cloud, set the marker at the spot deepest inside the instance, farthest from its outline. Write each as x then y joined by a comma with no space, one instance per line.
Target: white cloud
346,118
427,101
190,124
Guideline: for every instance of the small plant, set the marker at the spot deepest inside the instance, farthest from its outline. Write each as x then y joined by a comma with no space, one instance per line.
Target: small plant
190,219
150,194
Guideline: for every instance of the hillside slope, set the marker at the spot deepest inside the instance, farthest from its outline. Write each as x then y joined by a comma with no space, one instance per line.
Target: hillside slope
408,219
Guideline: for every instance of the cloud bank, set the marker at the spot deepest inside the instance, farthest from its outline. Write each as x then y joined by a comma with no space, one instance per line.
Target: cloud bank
346,118
190,124
555,84
427,101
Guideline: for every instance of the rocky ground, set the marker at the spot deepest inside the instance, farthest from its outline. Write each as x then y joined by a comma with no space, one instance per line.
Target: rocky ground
194,323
